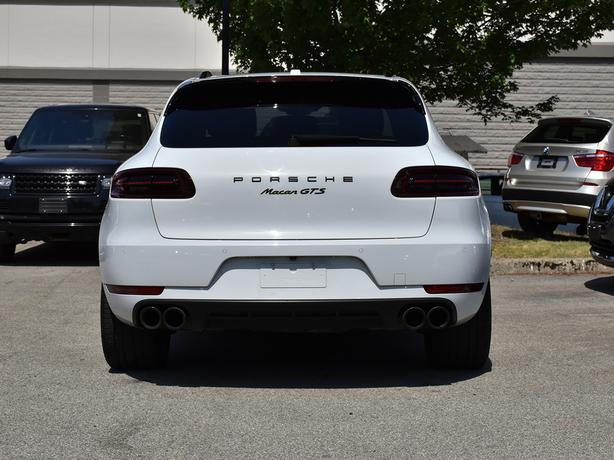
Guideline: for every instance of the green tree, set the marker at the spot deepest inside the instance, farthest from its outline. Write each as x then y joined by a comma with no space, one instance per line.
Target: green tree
462,50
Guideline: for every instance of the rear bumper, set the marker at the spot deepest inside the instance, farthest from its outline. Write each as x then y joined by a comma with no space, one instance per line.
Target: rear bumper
571,198
567,205
216,273
305,315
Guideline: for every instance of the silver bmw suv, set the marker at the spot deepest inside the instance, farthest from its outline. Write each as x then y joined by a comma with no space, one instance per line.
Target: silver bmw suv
557,170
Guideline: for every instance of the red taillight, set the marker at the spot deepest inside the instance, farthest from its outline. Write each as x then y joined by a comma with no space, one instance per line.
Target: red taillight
432,181
601,160
134,290
453,288
152,183
514,159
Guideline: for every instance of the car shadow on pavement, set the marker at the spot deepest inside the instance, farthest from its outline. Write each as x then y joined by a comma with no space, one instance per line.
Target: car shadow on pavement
605,285
55,255
260,360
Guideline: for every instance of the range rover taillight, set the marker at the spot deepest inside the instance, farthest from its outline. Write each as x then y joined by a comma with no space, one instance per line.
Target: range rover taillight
152,183
433,181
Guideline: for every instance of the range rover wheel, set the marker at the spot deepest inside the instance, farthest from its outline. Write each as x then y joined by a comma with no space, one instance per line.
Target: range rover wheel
7,250
127,347
465,346
536,227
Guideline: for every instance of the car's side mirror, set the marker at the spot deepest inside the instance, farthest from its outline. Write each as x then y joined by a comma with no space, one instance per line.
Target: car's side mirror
10,142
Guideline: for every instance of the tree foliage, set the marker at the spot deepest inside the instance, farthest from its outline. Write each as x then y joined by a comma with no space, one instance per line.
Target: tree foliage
462,50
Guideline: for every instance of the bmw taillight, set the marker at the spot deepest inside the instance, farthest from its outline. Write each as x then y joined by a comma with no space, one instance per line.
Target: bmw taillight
433,181
601,160
152,183
514,159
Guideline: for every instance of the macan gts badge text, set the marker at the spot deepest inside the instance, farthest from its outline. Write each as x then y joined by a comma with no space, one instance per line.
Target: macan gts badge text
294,179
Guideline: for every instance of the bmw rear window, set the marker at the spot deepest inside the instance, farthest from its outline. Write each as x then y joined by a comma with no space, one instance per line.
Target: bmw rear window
294,112
569,131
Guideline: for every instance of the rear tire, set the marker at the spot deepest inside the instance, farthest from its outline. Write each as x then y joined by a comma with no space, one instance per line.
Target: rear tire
126,347
7,250
536,227
462,347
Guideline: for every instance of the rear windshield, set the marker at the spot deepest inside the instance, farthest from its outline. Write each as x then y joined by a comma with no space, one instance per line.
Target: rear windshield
105,130
569,131
306,111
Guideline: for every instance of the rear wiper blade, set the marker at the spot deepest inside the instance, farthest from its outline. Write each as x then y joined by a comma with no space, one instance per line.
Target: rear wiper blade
337,140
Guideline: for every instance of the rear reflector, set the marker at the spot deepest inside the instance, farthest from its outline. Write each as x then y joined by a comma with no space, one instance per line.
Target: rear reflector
453,288
134,290
433,181
152,183
601,160
514,159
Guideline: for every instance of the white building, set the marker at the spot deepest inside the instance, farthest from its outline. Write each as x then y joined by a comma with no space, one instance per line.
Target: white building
136,51
62,51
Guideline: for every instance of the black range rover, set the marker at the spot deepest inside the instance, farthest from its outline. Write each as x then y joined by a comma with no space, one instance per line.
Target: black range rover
54,184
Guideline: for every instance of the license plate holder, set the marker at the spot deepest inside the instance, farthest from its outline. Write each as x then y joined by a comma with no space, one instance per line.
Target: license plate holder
292,276
52,205
547,162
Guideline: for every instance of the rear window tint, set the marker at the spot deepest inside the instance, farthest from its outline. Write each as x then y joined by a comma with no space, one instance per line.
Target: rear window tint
308,111
569,131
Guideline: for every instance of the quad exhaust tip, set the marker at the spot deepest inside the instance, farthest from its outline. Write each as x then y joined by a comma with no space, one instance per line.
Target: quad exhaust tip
414,318
173,318
438,318
150,317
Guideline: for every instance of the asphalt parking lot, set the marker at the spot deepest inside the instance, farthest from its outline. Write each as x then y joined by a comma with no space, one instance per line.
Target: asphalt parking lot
548,393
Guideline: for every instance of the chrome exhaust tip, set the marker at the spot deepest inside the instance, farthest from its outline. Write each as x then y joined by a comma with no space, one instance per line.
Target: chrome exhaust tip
414,318
438,318
150,317
174,318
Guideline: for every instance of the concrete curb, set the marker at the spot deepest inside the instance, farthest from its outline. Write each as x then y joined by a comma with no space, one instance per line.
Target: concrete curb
547,266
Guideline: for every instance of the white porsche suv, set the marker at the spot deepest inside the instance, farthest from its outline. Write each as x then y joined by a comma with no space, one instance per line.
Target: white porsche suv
308,202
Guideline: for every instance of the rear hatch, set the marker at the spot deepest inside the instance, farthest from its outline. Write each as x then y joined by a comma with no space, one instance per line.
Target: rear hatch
548,152
294,158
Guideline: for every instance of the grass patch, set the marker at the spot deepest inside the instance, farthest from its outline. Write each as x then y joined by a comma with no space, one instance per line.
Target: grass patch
516,244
